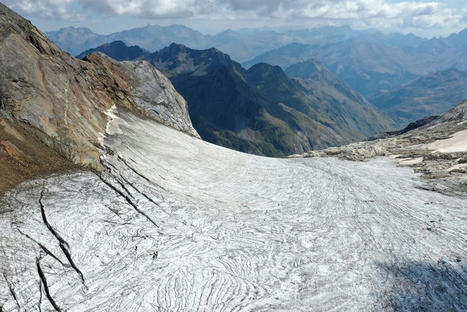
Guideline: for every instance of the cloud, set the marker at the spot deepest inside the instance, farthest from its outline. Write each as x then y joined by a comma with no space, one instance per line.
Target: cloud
379,13
363,13
153,8
56,9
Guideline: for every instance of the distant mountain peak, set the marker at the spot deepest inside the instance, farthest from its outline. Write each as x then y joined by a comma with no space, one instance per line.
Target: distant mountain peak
118,50
264,70
176,46
226,32
116,43
306,69
74,29
263,65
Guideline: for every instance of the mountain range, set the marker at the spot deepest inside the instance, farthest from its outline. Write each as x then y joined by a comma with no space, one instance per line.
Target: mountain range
369,61
370,65
242,44
75,40
261,110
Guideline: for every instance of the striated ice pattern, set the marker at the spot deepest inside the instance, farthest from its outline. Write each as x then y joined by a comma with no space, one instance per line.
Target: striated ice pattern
178,224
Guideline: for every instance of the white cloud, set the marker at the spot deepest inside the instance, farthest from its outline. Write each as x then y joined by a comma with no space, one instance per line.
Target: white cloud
372,13
56,9
361,13
153,8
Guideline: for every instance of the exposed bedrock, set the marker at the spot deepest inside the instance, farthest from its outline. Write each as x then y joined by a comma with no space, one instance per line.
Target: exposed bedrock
67,103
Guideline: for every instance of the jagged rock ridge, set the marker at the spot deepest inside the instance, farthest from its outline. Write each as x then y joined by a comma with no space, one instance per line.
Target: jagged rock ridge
68,102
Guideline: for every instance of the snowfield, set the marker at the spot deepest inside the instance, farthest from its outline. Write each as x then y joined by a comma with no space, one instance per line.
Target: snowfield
178,224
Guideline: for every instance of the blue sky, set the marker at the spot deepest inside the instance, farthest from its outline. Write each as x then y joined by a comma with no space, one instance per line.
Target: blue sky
422,17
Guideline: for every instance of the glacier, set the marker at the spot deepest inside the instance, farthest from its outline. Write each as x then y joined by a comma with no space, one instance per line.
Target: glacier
178,224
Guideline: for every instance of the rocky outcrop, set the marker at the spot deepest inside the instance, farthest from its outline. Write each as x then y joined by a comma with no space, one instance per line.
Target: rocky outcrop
437,150
153,92
67,102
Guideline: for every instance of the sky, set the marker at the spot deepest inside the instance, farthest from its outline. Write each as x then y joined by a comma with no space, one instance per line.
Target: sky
422,17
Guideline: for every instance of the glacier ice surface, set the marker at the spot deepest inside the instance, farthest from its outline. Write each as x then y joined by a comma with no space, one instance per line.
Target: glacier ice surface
178,224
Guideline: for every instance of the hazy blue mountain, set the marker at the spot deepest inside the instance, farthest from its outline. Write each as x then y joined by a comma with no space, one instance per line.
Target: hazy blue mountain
242,45
314,75
433,94
375,63
75,40
119,51
151,37
442,53
154,37
367,66
459,40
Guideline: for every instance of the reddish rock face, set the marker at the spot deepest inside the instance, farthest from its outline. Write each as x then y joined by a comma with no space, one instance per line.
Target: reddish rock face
23,155
65,100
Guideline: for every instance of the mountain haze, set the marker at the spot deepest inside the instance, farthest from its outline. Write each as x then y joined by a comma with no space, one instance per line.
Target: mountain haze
366,66
151,37
369,61
241,44
370,64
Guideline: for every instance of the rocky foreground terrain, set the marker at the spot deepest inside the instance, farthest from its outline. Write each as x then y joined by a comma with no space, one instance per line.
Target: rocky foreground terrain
142,215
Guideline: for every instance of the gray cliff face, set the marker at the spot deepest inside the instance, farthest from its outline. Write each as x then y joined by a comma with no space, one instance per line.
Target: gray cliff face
154,93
